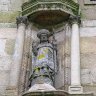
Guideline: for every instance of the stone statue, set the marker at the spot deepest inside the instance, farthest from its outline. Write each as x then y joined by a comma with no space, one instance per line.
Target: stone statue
44,69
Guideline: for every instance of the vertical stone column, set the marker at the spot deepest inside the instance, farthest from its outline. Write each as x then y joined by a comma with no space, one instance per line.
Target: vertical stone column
18,52
75,87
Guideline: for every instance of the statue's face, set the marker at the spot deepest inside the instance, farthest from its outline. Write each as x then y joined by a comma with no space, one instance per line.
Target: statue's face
44,38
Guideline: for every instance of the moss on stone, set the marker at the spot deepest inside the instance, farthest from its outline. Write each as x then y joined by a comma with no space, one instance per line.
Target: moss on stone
8,17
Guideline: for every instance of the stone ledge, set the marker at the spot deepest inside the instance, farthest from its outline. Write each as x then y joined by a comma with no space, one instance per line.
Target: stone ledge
88,23
8,25
84,94
55,93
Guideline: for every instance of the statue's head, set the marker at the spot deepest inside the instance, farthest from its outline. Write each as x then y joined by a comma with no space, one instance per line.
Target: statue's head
43,35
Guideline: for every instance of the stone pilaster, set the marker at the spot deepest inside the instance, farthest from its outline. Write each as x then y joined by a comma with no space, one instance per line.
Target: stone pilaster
25,70
75,87
17,57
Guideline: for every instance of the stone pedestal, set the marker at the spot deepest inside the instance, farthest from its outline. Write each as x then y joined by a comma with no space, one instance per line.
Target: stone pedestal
44,90
75,89
47,93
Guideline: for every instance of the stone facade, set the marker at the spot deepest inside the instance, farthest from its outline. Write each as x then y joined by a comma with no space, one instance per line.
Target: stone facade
88,8
9,10
7,42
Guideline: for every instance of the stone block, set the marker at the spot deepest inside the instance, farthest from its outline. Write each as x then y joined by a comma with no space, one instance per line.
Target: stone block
16,5
88,13
6,47
8,33
2,90
2,47
85,76
88,23
4,80
87,31
89,2
5,1
90,88
88,45
5,63
4,7
88,61
93,76
8,25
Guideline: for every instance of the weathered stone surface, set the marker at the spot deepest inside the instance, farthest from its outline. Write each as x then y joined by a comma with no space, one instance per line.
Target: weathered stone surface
59,83
85,76
9,47
88,61
88,45
8,25
90,88
5,63
63,49
7,36
89,2
10,5
2,47
4,76
88,23
88,31
12,91
87,11
25,66
7,41
16,5
8,33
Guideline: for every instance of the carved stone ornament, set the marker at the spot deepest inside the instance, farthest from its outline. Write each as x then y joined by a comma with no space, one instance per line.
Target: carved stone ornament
74,19
22,19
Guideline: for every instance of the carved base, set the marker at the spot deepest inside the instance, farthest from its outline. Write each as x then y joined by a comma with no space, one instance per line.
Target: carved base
75,89
44,90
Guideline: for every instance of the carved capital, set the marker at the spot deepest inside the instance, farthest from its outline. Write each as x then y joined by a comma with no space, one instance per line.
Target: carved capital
74,19
22,19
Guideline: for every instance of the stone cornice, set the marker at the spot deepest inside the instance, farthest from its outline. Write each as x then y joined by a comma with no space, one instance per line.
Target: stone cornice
49,12
35,5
